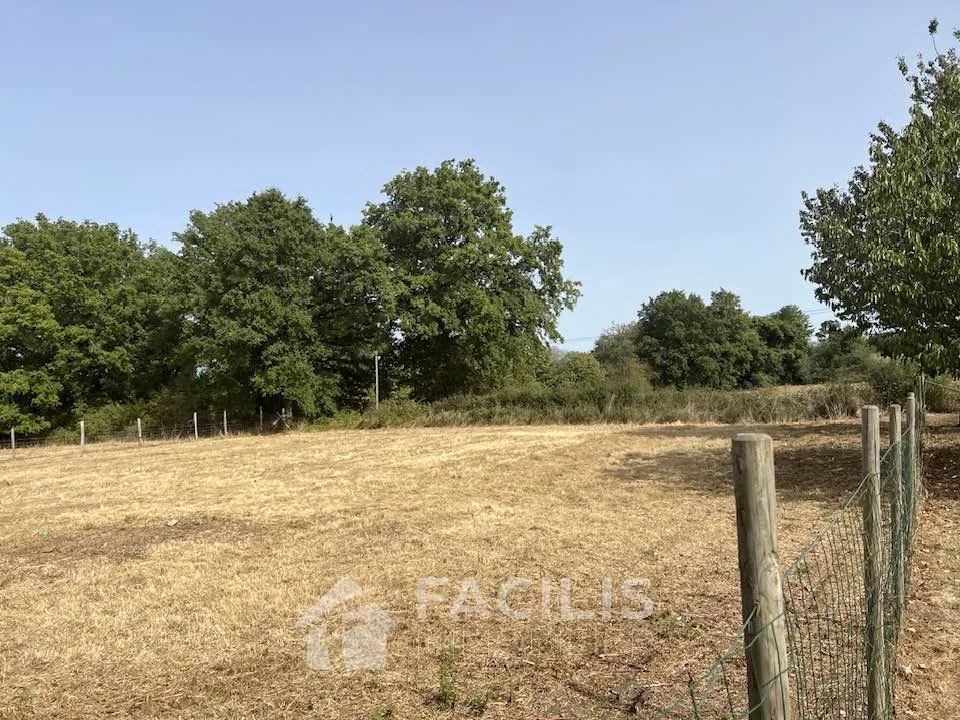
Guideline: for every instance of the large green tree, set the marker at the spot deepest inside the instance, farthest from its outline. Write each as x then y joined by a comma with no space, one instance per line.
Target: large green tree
786,334
886,251
616,351
281,308
476,302
73,334
687,342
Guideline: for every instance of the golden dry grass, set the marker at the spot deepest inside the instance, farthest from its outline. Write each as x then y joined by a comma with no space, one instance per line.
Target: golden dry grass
929,664
167,581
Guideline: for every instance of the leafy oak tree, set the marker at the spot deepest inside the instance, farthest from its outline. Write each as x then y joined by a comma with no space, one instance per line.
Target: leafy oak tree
786,335
72,331
280,307
689,343
476,302
886,251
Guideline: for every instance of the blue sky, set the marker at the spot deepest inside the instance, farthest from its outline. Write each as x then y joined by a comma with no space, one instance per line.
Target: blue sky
666,143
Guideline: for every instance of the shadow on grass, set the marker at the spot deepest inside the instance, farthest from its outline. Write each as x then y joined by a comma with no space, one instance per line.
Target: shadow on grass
819,462
826,468
941,465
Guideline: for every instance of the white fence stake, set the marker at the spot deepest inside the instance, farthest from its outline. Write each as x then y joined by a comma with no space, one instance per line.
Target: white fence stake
196,430
139,432
224,423
13,439
83,435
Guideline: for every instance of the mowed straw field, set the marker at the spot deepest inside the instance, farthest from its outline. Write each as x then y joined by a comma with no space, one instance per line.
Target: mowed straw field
168,580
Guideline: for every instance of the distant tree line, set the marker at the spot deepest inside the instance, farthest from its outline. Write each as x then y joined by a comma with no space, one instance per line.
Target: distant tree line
679,341
266,306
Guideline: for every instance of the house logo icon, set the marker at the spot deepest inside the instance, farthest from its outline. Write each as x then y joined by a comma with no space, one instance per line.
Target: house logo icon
363,632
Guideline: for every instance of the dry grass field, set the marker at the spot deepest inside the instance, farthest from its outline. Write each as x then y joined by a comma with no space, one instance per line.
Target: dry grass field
168,581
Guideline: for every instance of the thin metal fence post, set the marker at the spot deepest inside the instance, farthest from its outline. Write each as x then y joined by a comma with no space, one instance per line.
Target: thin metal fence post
83,435
196,430
13,440
224,423
761,590
139,432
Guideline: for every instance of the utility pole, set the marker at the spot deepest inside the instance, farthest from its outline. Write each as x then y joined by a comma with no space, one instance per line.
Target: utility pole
376,379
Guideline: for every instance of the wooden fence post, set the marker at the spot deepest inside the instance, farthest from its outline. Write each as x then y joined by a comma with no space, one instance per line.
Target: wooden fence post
761,590
196,431
896,509
224,423
139,432
872,570
13,439
83,435
912,485
261,419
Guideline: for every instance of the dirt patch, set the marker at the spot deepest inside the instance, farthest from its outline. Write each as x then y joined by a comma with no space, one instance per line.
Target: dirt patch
125,540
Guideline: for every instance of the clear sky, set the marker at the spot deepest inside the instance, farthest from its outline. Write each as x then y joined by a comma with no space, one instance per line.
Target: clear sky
666,143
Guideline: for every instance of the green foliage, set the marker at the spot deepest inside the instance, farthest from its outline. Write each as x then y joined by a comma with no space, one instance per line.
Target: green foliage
72,327
786,334
942,394
475,301
576,370
281,308
890,380
886,251
841,354
616,350
688,343
447,695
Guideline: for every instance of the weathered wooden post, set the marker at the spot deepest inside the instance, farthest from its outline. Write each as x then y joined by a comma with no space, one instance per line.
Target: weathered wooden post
872,570
261,419
224,423
196,430
83,435
896,509
912,484
761,590
139,432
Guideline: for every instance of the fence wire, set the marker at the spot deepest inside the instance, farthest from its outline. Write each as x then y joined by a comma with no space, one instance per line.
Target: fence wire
159,433
825,610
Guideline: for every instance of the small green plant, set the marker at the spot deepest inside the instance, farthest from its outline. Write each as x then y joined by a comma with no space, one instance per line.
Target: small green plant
478,703
383,712
446,696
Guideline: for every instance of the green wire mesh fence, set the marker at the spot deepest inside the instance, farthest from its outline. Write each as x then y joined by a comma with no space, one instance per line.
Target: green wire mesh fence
826,616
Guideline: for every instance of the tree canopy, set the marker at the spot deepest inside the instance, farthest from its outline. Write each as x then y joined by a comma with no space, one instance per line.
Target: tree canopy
279,306
476,302
687,342
72,328
264,305
886,250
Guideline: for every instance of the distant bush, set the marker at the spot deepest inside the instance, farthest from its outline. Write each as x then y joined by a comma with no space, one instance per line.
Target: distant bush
535,404
890,380
575,371
942,394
